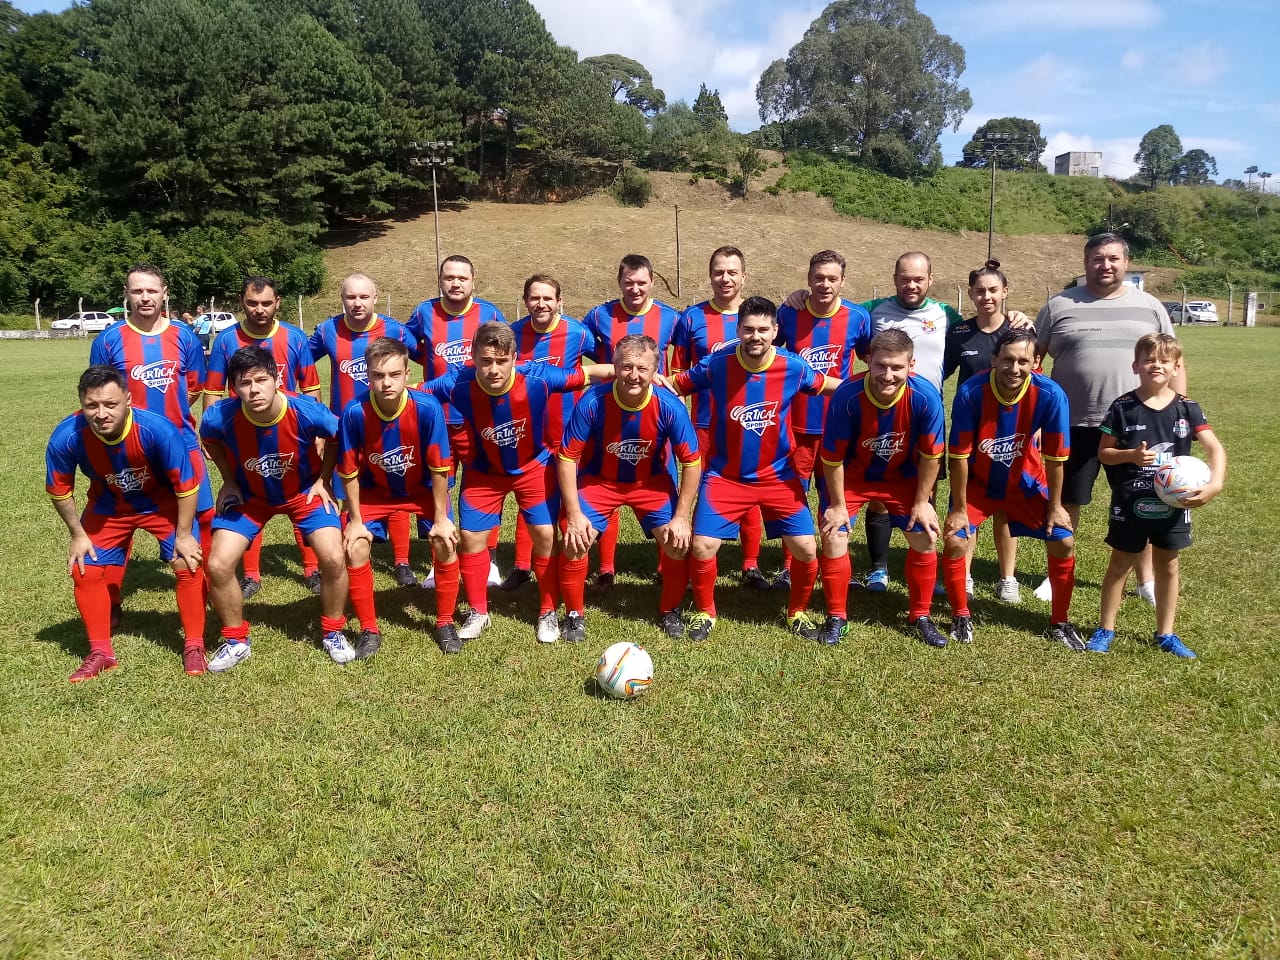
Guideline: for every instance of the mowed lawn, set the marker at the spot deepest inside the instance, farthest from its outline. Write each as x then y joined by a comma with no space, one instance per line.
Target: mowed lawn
767,798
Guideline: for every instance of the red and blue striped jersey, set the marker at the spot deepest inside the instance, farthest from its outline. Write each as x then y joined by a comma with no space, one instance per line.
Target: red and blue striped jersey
750,429
394,457
508,430
563,344
444,338
879,444
997,437
334,338
828,344
288,346
610,322
625,444
163,369
700,332
275,461
141,473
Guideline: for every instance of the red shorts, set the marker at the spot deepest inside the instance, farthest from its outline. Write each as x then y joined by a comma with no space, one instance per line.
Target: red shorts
459,445
1026,515
897,498
537,495
111,536
804,455
248,519
377,513
722,503
653,501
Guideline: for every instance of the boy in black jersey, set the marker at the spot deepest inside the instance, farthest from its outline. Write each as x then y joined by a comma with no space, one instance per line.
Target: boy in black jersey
1144,428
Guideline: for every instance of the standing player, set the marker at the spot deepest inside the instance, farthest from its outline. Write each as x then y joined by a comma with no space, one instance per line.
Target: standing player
883,441
701,330
635,311
297,374
615,454
264,445
393,455
140,478
997,465
343,339
544,335
752,388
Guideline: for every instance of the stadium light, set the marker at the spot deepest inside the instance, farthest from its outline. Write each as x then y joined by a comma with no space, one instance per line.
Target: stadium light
433,154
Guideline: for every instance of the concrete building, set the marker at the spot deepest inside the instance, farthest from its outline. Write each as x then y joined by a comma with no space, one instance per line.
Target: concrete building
1078,164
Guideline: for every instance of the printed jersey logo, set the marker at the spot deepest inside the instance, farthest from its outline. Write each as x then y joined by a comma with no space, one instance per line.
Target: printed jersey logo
273,465
1182,429
507,434
398,460
130,480
356,368
756,417
632,451
550,361
886,445
158,375
455,353
823,359
723,344
1004,449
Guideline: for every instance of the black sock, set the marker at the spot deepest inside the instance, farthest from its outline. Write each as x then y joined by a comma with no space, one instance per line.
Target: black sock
879,530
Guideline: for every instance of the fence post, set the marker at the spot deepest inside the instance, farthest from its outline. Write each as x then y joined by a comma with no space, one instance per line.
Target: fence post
37,306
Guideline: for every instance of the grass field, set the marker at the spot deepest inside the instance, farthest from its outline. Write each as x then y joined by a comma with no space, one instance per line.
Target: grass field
768,798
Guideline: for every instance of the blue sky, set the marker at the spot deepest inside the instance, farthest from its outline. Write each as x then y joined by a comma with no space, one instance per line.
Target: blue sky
1095,74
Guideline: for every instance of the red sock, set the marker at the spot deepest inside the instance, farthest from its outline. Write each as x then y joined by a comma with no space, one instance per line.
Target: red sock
310,564
493,539
398,534
953,576
191,594
609,545
330,624
204,531
360,581
547,570
524,545
836,573
475,579
786,558
751,532
253,558
703,574
1062,578
447,589
922,574
803,574
113,577
239,634
675,581
573,583
94,603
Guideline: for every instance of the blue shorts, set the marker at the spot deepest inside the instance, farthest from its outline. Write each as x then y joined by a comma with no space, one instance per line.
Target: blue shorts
722,503
376,516
248,519
204,499
537,494
897,499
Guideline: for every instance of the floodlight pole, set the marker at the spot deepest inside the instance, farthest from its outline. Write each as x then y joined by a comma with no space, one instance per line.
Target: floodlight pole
434,154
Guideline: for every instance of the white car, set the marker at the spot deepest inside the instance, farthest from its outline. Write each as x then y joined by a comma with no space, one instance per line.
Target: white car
209,325
89,321
1194,311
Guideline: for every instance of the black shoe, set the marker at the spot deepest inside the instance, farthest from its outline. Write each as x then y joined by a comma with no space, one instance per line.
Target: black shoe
447,638
312,582
782,581
833,631
249,587
574,629
403,574
930,633
367,643
516,579
962,629
803,627
117,614
602,582
673,624
700,625
753,579
1067,634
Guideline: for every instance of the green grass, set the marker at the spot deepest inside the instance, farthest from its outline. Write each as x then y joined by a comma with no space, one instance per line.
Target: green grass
767,798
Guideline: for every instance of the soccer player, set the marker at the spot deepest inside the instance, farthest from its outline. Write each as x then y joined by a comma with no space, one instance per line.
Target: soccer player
343,339
264,445
752,389
445,328
997,465
615,454
1142,429
393,455
140,478
635,311
296,370
701,330
546,336
883,440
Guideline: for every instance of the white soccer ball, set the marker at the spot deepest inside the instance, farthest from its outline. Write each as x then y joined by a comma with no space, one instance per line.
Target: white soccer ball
625,670
1181,475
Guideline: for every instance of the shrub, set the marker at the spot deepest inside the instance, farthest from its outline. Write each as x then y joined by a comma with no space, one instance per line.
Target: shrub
632,188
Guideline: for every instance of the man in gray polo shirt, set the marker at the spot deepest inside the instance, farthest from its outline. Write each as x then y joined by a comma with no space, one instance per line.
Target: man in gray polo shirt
1090,333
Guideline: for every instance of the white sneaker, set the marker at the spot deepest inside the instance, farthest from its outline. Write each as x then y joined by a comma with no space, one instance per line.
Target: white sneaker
495,578
429,581
1147,592
968,587
474,625
548,630
338,647
1044,592
229,655
1007,590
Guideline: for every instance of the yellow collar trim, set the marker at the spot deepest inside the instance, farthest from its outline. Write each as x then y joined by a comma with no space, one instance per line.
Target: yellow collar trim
892,403
835,308
284,408
160,328
768,361
128,428
275,328
1026,384
511,380
404,402
648,396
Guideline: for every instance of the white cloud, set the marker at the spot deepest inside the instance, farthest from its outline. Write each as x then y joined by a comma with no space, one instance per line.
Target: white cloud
1117,154
1133,60
1048,73
1200,65
1091,15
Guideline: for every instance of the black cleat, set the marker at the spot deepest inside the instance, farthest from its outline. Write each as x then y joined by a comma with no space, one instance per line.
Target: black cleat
1067,634
672,624
803,627
573,629
367,643
929,631
312,582
782,581
447,638
833,631
753,579
962,629
514,580
403,575
249,587
602,582
700,625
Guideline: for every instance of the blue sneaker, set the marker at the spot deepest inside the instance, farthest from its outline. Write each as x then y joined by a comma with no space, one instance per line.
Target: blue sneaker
1100,642
878,580
1172,643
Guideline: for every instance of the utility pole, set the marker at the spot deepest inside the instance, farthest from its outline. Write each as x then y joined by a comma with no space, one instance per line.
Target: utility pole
433,154
995,144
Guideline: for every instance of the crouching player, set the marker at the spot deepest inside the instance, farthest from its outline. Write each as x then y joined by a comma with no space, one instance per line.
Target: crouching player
1142,427
264,445
140,478
615,453
393,456
882,440
997,465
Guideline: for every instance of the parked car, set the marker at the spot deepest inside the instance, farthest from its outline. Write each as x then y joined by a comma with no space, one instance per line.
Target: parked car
209,325
88,321
1195,311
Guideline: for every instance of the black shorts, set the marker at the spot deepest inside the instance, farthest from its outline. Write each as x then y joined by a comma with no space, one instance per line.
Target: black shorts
1130,534
1081,470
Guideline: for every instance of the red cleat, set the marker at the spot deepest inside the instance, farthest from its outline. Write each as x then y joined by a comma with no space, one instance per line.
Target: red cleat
193,661
94,664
